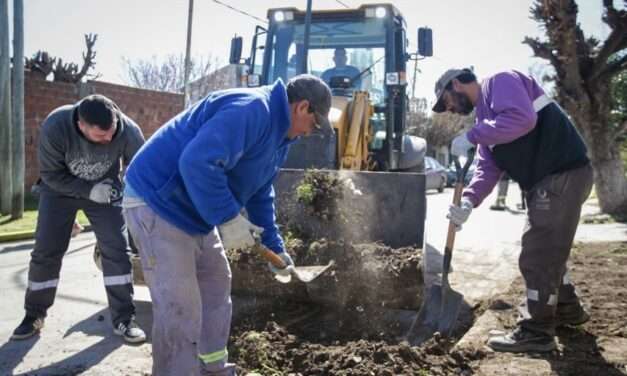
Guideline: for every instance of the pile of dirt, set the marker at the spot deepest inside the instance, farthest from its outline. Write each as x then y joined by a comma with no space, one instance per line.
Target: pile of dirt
320,193
347,322
275,350
364,275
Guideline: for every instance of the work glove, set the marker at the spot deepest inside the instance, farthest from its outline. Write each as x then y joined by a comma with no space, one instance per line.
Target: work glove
287,259
460,145
101,192
239,233
459,214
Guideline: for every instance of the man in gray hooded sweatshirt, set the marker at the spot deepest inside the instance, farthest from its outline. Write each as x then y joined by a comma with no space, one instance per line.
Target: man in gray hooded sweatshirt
81,151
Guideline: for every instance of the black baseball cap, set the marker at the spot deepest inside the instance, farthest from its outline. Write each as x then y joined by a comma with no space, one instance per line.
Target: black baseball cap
440,87
313,89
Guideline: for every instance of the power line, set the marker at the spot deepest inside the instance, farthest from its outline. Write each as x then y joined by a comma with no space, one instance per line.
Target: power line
239,11
342,3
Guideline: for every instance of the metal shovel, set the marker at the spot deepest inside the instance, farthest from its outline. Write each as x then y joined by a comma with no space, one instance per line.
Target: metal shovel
302,273
441,305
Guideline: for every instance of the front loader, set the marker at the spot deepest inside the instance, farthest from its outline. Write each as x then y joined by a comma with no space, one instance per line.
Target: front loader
379,167
370,147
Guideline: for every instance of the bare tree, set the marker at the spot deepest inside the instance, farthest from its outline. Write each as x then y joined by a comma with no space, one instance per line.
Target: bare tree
584,69
43,64
166,74
439,129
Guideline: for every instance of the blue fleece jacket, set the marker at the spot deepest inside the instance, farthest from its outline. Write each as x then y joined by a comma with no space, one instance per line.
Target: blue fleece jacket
207,163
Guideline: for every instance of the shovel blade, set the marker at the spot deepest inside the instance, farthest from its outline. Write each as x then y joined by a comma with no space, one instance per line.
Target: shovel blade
309,273
438,313
304,274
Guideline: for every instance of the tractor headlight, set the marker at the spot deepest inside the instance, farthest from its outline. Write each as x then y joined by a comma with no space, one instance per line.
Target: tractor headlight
376,12
280,16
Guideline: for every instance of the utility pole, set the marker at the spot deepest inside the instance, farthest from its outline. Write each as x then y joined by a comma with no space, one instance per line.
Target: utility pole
5,111
17,207
187,53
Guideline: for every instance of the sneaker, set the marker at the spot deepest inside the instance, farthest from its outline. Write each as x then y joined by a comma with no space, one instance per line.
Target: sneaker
522,340
29,327
131,332
572,319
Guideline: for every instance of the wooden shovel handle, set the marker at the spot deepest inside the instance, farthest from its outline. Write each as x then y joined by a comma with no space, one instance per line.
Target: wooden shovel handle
270,256
457,197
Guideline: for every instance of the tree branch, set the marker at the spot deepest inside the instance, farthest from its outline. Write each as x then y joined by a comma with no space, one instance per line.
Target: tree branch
616,41
542,50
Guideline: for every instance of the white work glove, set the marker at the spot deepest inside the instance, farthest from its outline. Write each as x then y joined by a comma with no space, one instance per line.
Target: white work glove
460,145
287,259
238,233
101,192
459,214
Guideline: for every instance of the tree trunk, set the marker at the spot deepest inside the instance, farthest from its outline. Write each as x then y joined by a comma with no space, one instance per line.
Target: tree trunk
609,179
609,172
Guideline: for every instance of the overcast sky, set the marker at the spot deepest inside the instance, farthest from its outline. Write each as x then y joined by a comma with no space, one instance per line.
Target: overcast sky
484,33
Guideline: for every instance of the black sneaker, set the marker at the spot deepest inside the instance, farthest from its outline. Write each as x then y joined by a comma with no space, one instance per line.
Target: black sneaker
30,326
131,332
523,340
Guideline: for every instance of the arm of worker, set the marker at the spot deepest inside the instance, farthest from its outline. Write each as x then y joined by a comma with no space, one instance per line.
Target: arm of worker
261,211
508,98
134,140
53,170
485,178
216,148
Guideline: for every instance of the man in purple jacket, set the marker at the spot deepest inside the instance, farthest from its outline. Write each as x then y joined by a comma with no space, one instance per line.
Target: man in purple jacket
522,132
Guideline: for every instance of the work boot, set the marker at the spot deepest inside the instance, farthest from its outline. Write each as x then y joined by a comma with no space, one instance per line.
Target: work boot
131,332
30,326
523,340
571,315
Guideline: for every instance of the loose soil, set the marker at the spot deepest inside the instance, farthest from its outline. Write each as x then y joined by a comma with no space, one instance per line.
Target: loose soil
291,337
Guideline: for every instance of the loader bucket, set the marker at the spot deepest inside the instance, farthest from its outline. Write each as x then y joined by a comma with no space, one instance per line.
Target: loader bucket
373,233
387,207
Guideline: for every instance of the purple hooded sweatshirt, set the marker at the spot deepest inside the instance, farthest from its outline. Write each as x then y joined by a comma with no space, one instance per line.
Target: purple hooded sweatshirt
504,112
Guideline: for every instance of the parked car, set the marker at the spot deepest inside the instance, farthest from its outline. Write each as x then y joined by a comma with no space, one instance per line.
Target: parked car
435,174
451,174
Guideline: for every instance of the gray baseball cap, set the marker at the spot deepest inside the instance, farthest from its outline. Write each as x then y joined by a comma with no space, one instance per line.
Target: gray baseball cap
316,91
440,85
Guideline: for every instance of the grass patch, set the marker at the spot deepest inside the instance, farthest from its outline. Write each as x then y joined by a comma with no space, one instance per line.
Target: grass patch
29,221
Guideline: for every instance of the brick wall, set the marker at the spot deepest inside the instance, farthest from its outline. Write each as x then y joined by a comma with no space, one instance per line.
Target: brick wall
150,109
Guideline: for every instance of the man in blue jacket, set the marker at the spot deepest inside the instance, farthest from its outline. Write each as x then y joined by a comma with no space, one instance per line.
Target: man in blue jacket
192,178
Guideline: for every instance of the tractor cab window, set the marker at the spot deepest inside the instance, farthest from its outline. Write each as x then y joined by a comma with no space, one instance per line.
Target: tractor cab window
347,55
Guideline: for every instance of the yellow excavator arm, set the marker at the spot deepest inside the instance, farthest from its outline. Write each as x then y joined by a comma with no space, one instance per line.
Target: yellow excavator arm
353,130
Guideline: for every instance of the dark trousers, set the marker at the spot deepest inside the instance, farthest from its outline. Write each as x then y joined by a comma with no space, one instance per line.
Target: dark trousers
54,225
554,208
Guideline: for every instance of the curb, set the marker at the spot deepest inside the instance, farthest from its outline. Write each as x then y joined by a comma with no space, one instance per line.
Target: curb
25,235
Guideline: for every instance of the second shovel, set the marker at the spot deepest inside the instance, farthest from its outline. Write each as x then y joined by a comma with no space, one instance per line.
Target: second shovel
302,273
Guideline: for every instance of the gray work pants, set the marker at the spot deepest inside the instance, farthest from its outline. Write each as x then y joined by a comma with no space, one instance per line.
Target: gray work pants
190,285
54,226
554,208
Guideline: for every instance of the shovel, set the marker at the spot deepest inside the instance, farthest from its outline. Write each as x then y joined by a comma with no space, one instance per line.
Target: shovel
302,273
441,304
